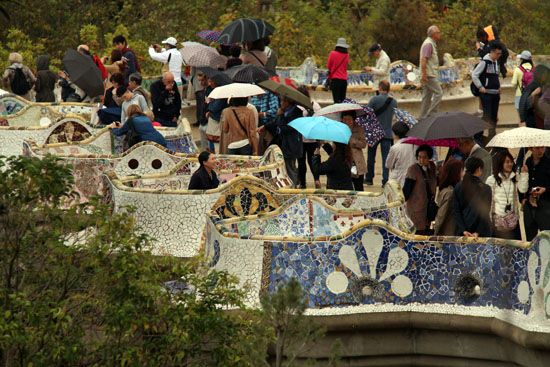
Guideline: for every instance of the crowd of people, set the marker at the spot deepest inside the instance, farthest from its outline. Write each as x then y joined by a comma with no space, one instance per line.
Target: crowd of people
472,192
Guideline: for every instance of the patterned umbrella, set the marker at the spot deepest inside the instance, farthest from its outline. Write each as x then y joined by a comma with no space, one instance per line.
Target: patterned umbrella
247,74
208,35
373,130
197,55
521,137
245,30
405,117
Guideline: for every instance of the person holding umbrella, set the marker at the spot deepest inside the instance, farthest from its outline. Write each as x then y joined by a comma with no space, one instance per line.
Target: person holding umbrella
337,167
289,139
337,66
254,53
536,204
238,135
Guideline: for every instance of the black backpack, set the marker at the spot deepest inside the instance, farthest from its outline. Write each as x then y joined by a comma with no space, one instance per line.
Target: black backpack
19,84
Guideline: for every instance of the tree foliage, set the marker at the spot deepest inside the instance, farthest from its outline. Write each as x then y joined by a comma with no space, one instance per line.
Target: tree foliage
78,286
304,28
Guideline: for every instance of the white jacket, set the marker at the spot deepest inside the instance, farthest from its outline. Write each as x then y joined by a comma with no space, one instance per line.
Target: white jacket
176,61
400,158
382,69
504,193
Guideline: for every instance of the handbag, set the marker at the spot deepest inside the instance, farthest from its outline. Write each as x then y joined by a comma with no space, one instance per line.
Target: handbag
508,221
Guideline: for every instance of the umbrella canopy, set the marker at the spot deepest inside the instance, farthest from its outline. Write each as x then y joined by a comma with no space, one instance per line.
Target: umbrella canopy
450,143
447,125
209,72
83,73
236,90
321,128
405,117
247,74
245,30
521,137
337,108
208,35
287,92
197,54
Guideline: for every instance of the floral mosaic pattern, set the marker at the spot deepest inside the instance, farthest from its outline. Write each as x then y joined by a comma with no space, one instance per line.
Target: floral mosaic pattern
69,132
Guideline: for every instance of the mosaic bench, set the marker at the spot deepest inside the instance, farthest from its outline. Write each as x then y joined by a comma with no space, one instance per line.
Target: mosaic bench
373,267
175,217
93,156
20,111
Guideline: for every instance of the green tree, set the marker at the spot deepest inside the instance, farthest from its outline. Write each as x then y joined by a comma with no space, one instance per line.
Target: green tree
78,286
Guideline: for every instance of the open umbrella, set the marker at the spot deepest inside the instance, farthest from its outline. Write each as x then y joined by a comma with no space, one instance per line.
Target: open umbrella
83,73
521,137
245,30
337,108
208,35
247,74
287,92
450,143
209,72
405,117
236,90
321,128
448,125
197,54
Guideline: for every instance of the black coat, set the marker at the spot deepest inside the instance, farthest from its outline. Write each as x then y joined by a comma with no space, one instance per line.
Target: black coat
338,173
166,104
45,80
526,110
473,214
201,180
288,138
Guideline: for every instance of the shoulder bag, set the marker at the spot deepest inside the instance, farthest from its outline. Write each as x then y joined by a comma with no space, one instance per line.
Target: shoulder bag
509,220
240,143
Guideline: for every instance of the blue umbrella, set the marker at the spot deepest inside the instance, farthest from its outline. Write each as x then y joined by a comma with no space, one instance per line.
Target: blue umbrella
322,128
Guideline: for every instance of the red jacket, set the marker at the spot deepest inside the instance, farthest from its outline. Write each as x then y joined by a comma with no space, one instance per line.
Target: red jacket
100,66
337,65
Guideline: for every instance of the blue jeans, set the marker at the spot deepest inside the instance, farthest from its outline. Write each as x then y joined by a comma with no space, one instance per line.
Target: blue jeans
385,145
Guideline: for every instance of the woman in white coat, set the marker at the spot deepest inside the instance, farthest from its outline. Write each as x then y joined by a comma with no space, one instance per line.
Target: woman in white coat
505,184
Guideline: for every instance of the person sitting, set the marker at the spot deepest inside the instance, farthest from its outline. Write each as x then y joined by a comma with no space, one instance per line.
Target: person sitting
337,167
111,110
166,100
419,190
129,98
238,135
450,176
138,128
134,84
472,202
205,177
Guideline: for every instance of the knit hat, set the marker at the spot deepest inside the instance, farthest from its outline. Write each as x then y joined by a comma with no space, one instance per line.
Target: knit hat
342,43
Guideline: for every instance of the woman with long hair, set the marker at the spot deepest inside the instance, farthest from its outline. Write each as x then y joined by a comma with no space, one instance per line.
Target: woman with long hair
472,202
451,174
505,185
337,167
337,66
419,190
137,128
239,125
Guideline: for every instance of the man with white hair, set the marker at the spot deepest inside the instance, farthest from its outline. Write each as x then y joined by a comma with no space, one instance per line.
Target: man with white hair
171,57
17,78
429,64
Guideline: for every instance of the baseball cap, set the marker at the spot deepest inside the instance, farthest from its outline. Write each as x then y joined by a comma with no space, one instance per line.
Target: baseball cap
525,55
170,41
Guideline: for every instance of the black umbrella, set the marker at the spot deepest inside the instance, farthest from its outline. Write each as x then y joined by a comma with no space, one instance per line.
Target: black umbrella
83,73
447,125
247,74
208,71
245,30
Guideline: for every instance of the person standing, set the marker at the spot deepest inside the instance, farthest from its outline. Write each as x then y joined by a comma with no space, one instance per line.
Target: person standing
45,80
485,78
290,140
337,66
444,220
205,177
166,100
523,75
254,53
357,142
309,146
505,185
382,69
238,132
171,57
469,148
536,204
128,55
429,64
337,167
419,190
18,78
383,106
401,155
472,202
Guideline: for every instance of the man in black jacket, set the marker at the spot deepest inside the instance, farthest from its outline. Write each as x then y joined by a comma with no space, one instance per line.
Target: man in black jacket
536,208
166,100
205,177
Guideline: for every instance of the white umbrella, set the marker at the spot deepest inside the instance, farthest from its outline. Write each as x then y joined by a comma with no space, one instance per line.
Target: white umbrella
521,137
334,111
235,90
